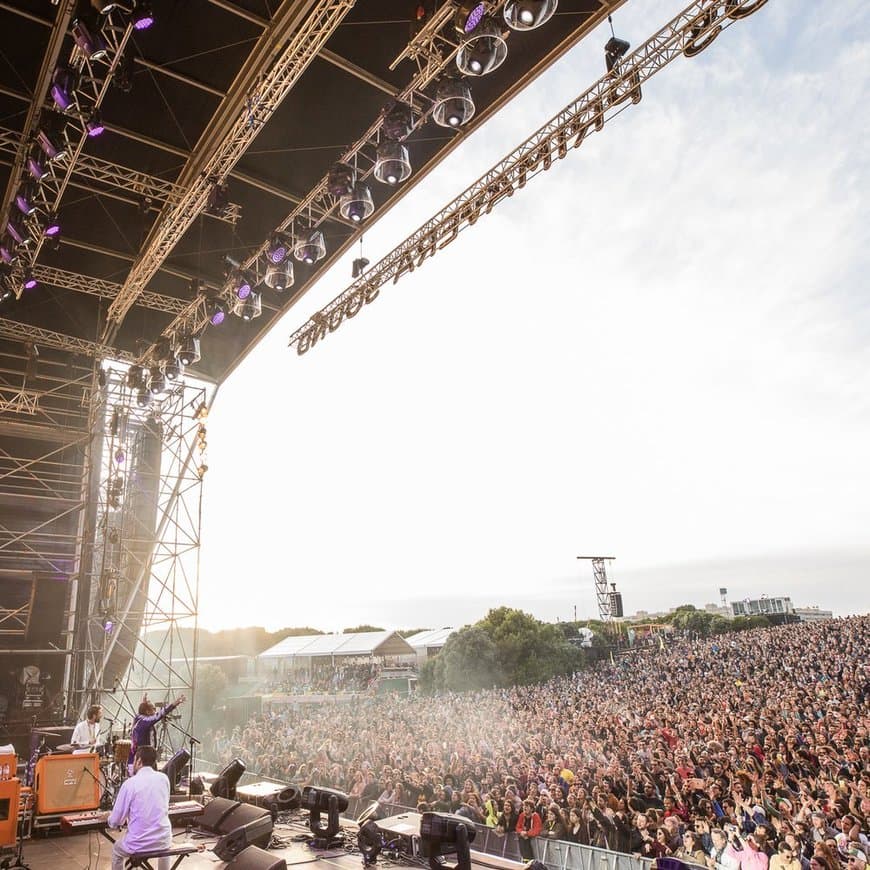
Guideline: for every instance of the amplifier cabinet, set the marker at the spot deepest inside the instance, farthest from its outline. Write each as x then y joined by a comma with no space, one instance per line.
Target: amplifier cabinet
67,783
10,790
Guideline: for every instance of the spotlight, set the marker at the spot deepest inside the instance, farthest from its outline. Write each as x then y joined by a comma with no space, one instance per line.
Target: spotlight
216,311
104,6
120,456
187,352
63,86
29,281
357,205
135,377
469,14
7,252
317,800
370,842
251,307
240,284
143,397
95,125
359,266
218,199
279,248
341,179
36,167
17,231
310,248
173,370
90,44
156,380
108,626
52,140
614,51
142,15
483,50
52,226
398,122
280,277
392,164
453,104
446,834
25,199
225,785
528,14
5,292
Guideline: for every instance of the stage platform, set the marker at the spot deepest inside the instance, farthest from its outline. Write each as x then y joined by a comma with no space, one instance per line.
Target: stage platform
92,851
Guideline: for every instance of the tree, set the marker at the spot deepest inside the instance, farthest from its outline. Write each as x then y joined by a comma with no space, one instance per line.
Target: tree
470,660
210,682
361,629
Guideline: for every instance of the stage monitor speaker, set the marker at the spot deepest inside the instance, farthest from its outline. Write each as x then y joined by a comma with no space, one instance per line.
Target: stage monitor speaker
255,833
214,813
242,814
67,783
253,858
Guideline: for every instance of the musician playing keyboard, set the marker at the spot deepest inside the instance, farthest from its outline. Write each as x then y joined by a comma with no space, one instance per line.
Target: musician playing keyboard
143,803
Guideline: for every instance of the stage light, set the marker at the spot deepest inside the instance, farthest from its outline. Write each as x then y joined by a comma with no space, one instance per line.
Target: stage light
357,205
142,15
398,122
317,800
156,380
135,377
392,164
279,248
175,767
17,231
95,125
483,50
614,51
52,140
370,842
225,785
52,226
528,14
120,456
446,834
251,307
453,104
240,284
358,267
7,252
25,199
310,248
63,86
5,292
29,281
90,44
469,14
143,397
108,626
35,167
187,352
340,180
280,277
173,370
104,6
216,311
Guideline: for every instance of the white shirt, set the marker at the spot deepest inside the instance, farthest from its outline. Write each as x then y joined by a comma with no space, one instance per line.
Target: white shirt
86,733
143,803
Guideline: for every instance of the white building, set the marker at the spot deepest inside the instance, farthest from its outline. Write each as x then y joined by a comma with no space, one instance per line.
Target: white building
764,606
813,614
429,643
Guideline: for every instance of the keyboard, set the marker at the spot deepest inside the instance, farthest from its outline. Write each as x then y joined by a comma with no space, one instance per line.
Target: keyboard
96,820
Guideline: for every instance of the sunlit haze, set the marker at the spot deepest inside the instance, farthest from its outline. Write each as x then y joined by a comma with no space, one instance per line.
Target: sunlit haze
658,351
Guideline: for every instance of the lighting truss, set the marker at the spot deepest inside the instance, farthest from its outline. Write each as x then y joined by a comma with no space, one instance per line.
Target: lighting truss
16,331
688,33
137,590
253,110
94,78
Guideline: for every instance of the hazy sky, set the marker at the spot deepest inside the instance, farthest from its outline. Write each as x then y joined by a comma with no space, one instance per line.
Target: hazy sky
657,350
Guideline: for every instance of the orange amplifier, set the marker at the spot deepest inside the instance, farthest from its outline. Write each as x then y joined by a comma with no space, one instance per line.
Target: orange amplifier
67,783
9,794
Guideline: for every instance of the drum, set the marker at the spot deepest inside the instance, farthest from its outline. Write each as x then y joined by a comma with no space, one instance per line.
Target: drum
122,751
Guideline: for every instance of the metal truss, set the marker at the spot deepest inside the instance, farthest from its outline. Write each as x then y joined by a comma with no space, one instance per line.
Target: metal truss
94,77
228,145
602,594
16,331
687,34
104,289
137,584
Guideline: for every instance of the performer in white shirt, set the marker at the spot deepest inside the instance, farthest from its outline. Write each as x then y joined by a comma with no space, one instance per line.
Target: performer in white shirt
143,803
87,732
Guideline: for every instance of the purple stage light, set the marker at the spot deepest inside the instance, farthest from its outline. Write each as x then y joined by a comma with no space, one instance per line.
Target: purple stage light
16,231
90,44
36,169
143,17
25,200
7,255
217,317
94,125
30,282
474,17
52,227
243,290
62,87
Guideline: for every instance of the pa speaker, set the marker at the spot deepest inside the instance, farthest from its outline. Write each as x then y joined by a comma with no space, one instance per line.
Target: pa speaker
242,814
253,858
216,810
255,833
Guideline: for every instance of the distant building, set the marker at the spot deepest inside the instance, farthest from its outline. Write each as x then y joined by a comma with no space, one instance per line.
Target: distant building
764,606
812,614
718,609
429,643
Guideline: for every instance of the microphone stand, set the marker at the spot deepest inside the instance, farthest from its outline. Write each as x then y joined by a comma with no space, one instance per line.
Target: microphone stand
193,742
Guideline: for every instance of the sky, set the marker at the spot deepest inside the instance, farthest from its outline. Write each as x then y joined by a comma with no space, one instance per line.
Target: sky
658,350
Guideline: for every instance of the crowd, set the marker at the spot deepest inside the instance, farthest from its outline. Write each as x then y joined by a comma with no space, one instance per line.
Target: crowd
741,752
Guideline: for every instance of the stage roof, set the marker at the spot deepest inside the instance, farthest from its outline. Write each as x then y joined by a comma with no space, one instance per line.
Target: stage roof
435,637
369,643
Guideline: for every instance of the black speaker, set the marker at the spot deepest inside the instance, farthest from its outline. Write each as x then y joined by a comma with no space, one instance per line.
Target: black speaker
253,858
216,810
47,609
616,604
240,815
255,833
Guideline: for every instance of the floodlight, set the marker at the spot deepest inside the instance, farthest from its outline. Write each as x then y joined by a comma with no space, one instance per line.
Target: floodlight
453,104
341,179
216,311
188,352
280,277
52,226
370,842
36,167
250,308
91,44
316,800
63,86
468,15
614,51
17,231
225,785
94,124
483,50
310,247
446,834
392,164
143,397
358,204
142,15
279,248
156,380
398,121
51,138
528,14
240,283
29,281
25,199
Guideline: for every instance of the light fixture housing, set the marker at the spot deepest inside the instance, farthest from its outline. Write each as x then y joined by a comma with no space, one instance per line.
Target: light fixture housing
63,86
280,277
135,377
188,351
279,248
52,226
156,380
217,312
29,281
240,283
398,122
173,370
25,199
143,397
52,140
357,205
94,124
341,179
36,167
468,16
142,15
250,308
483,50
310,247
614,51
453,105
392,164
91,44
104,6
528,14
17,231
